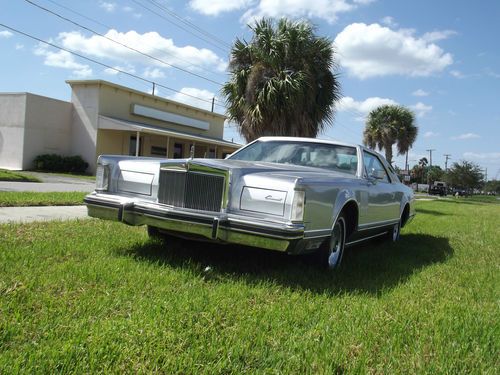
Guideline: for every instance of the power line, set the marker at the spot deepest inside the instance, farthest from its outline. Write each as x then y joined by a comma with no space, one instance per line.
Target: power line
105,65
179,26
190,24
190,63
79,14
120,43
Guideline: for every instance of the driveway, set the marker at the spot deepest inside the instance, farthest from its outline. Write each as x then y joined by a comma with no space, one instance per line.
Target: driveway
50,183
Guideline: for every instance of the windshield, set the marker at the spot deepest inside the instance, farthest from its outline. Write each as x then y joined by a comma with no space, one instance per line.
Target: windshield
318,155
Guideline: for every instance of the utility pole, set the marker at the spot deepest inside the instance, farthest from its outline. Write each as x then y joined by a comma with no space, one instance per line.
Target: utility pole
447,156
430,162
430,155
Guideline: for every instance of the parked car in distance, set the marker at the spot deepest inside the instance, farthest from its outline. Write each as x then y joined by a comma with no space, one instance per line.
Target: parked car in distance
295,195
438,188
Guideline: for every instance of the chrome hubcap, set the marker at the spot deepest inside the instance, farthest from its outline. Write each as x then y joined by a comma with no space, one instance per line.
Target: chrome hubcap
395,232
335,245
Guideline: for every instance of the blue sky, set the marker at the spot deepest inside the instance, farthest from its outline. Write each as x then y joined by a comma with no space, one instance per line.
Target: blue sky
439,58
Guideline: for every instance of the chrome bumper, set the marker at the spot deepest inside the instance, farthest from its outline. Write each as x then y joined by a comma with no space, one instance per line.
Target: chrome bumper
217,226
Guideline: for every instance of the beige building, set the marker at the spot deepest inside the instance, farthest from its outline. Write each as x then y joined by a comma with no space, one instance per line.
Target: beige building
105,118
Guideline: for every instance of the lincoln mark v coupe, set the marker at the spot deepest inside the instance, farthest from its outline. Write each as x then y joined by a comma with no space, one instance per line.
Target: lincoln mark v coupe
295,195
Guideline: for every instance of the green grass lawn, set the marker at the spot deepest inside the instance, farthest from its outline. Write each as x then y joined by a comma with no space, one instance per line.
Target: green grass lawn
16,176
96,296
27,198
479,198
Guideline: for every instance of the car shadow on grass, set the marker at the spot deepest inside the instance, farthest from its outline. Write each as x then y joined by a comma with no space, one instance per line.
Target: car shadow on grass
430,212
463,201
374,268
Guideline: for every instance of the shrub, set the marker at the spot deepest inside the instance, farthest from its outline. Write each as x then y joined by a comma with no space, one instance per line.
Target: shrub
58,163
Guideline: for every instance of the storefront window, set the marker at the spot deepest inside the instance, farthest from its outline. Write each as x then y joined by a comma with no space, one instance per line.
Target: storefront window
158,151
133,143
178,154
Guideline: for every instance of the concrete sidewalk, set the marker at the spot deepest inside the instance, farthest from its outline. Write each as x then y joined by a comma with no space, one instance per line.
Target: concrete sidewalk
42,213
85,187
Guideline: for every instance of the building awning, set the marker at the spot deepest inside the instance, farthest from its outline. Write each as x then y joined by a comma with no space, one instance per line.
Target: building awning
118,124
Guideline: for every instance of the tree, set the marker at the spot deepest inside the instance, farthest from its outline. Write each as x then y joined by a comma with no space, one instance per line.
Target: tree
465,175
281,82
492,186
418,172
388,125
435,173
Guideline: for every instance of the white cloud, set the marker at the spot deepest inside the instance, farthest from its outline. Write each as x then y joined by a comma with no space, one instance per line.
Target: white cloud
150,43
215,7
430,134
5,34
389,21
63,59
128,69
491,73
482,155
153,73
323,9
457,74
420,92
421,109
466,136
129,9
84,72
347,104
19,46
188,95
112,72
107,6
374,50
434,36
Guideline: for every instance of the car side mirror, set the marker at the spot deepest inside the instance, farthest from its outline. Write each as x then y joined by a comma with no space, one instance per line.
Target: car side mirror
377,174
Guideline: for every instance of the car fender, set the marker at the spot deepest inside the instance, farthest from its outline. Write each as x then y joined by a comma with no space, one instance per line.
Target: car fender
343,198
407,199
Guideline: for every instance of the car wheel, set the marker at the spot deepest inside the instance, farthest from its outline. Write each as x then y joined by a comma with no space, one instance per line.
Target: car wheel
393,234
332,251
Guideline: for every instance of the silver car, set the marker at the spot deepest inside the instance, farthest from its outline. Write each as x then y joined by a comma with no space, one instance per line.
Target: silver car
295,195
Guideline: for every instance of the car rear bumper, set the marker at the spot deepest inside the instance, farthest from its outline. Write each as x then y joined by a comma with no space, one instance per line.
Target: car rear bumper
213,226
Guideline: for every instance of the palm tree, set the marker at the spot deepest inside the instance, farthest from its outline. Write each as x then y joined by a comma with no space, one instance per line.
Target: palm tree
388,125
281,82
423,164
